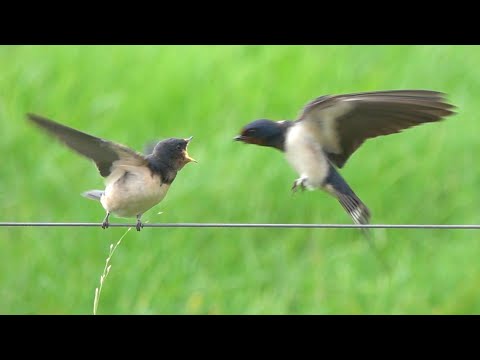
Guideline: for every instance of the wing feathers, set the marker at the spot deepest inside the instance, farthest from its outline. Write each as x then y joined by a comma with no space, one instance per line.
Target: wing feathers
103,152
361,116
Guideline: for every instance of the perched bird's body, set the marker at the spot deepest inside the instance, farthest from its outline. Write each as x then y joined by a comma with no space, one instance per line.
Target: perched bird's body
331,128
132,190
134,183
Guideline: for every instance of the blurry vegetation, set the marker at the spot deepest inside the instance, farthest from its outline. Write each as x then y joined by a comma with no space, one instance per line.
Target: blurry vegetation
135,94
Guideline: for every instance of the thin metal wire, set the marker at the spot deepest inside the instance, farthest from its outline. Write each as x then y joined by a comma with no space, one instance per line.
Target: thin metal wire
240,225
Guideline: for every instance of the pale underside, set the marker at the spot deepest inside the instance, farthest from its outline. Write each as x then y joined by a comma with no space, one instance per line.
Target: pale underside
305,155
132,190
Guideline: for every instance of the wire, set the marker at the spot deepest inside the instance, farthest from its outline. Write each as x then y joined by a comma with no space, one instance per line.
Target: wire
240,225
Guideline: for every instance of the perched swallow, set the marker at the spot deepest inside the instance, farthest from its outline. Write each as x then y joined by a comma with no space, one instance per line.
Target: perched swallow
330,128
134,182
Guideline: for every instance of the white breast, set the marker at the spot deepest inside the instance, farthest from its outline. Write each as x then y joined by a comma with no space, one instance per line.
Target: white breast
305,155
133,194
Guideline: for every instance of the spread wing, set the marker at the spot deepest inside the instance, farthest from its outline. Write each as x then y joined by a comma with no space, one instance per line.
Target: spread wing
342,123
149,146
103,152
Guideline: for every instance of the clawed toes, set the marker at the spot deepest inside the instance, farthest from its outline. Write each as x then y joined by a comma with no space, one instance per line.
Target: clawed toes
139,226
105,225
294,186
299,183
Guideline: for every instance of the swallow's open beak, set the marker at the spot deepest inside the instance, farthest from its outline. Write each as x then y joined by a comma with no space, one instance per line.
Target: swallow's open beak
188,157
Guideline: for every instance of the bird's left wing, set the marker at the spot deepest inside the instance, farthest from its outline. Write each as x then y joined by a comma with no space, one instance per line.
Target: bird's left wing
103,152
341,123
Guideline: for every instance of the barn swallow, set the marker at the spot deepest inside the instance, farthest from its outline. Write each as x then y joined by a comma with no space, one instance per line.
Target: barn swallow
134,182
330,128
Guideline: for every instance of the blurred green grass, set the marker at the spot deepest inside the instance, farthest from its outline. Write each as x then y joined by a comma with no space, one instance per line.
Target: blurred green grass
134,94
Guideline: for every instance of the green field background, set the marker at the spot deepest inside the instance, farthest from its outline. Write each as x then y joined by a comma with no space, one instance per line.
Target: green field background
135,94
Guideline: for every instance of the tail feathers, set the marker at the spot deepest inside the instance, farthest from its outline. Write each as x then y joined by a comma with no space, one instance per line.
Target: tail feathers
93,194
338,187
361,215
354,206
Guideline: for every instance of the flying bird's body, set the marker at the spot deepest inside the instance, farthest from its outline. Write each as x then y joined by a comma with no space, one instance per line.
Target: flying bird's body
331,128
306,156
134,183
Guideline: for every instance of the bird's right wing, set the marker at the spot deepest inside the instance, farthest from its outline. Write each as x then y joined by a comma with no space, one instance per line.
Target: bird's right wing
103,152
149,146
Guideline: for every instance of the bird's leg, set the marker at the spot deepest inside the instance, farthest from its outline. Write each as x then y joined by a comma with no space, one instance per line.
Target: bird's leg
300,182
105,221
139,222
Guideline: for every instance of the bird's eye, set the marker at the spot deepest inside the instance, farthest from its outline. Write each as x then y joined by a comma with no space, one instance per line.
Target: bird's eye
179,147
250,131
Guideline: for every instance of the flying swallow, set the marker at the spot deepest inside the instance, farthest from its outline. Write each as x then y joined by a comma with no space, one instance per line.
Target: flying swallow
330,128
134,182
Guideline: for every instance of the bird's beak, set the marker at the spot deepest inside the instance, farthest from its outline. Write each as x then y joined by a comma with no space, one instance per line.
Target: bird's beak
188,157
248,140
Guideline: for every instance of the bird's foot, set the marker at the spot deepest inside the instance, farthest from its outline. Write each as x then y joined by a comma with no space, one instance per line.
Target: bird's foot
299,183
139,225
105,222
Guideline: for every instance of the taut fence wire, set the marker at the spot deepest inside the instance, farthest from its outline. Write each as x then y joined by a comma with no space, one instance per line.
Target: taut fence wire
247,225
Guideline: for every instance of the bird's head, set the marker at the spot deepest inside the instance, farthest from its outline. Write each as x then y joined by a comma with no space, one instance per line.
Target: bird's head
174,151
264,132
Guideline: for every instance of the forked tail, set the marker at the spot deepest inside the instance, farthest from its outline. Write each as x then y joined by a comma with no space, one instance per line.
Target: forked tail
338,187
93,194
359,212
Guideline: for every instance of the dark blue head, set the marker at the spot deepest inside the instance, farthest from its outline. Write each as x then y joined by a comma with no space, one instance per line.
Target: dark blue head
172,152
264,132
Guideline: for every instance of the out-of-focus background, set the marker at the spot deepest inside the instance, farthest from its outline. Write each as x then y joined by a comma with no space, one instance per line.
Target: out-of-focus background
134,94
